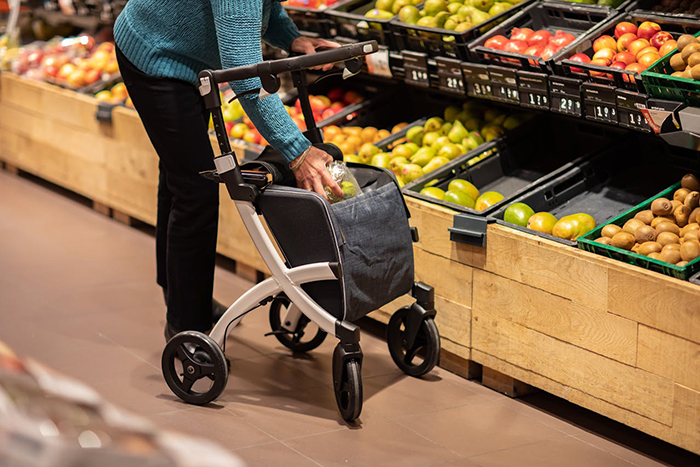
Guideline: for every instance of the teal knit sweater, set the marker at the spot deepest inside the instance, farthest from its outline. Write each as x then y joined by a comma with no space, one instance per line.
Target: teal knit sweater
180,38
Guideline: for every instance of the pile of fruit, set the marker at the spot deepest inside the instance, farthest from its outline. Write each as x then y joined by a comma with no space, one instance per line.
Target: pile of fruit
534,43
73,62
669,231
441,140
454,15
568,227
317,4
386,9
465,194
239,126
634,48
610,3
687,61
357,143
116,95
683,7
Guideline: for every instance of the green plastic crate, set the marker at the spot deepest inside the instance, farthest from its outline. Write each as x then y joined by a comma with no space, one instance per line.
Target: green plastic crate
659,83
587,243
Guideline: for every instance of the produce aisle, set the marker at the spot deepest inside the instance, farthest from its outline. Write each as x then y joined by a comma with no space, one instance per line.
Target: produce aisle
99,317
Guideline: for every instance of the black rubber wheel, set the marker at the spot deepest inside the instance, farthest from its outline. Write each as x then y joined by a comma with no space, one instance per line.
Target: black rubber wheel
293,341
348,391
202,372
425,353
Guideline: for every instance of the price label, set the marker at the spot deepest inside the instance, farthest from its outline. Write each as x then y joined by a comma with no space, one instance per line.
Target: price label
481,89
378,63
417,77
416,66
536,100
605,112
635,120
509,93
568,105
450,74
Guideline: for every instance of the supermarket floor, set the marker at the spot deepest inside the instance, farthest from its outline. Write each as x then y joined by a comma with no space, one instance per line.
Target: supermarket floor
77,293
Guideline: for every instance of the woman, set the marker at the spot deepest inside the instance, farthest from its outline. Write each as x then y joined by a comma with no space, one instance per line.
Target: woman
161,46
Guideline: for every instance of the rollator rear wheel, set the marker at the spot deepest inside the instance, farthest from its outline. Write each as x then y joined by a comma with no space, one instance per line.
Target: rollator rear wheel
348,390
420,358
194,367
294,341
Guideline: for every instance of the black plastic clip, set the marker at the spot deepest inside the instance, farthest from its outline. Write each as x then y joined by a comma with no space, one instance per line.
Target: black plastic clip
469,229
104,112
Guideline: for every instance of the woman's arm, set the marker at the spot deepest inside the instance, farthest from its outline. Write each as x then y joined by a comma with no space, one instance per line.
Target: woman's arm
281,30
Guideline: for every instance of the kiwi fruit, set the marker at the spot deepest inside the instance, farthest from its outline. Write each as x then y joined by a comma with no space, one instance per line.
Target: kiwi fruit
677,74
692,236
681,263
654,256
694,60
686,74
684,40
603,240
689,228
693,218
672,246
645,216
695,72
675,203
661,207
680,194
690,251
662,219
664,238
649,247
668,227
689,50
632,225
670,256
677,62
645,233
691,182
681,214
624,240
610,230
692,200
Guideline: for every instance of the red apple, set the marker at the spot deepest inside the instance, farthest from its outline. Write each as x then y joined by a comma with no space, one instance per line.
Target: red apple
624,41
647,30
625,57
668,47
540,37
660,38
604,42
549,51
496,42
648,59
335,94
647,50
638,45
352,97
583,58
76,79
608,54
328,113
618,65
516,47
65,71
317,104
600,62
521,34
635,67
92,76
562,39
229,126
625,28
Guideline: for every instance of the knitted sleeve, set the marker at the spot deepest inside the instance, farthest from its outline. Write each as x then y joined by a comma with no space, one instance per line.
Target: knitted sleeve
281,30
238,24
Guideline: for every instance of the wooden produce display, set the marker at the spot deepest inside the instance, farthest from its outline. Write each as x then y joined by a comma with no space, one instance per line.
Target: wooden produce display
608,336
611,337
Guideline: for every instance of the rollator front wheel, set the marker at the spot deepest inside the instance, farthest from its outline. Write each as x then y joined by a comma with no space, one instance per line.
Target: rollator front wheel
423,355
348,389
303,339
194,367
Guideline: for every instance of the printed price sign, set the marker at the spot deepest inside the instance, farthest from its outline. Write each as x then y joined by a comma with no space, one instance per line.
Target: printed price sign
532,99
506,94
416,66
450,74
567,105
482,89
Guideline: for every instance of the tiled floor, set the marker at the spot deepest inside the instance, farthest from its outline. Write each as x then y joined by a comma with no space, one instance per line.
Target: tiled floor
77,291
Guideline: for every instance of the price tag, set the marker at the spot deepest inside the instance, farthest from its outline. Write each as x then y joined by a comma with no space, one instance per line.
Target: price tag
567,105
605,112
506,94
630,106
532,99
416,66
481,89
534,89
450,75
378,63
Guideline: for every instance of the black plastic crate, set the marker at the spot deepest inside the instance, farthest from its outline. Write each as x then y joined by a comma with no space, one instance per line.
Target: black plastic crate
655,7
604,185
623,79
437,42
347,19
576,19
523,159
309,20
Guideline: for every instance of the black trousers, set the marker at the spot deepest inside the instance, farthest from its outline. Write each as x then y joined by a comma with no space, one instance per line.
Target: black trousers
176,121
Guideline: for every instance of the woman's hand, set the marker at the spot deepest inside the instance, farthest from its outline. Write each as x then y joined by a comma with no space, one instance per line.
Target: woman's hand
308,45
313,175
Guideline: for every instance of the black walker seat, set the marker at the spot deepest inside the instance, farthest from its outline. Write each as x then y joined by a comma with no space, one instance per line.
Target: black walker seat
339,262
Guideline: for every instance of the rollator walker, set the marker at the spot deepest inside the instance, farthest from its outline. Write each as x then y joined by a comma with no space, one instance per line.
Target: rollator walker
339,262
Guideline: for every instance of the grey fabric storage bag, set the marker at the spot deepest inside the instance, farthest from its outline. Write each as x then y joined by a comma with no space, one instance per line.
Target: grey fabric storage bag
376,249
